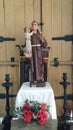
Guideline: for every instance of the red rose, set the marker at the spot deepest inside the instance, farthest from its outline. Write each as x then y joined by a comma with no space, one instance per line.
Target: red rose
26,106
28,119
26,113
41,121
27,116
43,110
45,116
39,114
43,105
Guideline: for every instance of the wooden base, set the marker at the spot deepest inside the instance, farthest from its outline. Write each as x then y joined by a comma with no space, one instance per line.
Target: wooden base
38,84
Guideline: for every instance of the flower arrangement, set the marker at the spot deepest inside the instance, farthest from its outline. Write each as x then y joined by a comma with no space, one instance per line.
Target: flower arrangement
32,110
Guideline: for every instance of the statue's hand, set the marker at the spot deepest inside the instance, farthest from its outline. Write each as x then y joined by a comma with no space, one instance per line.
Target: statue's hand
42,38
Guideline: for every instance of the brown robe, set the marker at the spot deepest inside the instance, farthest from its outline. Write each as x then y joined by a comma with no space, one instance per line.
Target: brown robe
37,57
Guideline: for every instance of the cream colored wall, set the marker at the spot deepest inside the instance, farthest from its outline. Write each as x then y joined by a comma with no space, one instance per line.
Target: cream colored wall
61,25
57,18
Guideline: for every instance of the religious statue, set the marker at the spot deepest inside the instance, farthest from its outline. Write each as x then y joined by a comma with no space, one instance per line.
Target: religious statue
38,42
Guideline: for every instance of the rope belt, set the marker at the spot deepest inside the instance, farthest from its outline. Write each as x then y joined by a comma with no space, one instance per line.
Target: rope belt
36,45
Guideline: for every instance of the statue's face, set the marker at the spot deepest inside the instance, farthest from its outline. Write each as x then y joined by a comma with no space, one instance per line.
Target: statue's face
34,26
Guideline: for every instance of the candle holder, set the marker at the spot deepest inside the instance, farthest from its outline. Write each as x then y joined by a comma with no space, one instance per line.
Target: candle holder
65,84
7,119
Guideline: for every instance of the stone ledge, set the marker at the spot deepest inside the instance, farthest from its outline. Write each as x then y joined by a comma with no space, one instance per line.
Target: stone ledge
21,125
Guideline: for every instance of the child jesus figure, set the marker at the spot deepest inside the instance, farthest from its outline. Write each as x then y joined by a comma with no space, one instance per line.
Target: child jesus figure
28,48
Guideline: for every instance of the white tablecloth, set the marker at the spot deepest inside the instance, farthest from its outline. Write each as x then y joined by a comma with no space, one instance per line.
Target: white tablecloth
40,94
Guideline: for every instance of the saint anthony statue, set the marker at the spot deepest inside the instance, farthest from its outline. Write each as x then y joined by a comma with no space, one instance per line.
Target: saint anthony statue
38,42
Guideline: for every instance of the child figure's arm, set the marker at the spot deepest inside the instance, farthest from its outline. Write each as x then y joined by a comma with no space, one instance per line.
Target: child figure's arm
31,33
